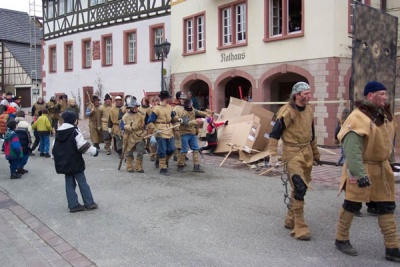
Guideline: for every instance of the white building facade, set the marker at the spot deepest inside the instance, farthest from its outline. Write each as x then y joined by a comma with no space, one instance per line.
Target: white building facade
258,49
94,47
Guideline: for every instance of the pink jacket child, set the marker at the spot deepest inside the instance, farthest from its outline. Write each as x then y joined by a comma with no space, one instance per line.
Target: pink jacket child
212,134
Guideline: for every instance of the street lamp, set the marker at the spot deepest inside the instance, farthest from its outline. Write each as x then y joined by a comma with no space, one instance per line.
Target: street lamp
162,51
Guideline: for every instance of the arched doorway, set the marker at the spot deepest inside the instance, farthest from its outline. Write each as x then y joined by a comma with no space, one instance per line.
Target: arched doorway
279,87
237,87
200,91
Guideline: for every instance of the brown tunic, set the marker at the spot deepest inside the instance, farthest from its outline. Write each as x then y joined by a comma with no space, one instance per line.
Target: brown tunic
134,136
376,152
298,150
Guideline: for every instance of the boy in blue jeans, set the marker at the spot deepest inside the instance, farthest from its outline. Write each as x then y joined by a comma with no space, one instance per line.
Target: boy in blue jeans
12,149
68,148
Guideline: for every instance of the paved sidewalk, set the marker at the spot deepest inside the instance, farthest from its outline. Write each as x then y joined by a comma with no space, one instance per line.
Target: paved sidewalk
26,241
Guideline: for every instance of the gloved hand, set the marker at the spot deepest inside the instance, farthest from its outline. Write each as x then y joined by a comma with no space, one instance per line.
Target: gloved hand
273,161
180,121
99,128
226,123
317,162
97,153
110,130
363,182
158,132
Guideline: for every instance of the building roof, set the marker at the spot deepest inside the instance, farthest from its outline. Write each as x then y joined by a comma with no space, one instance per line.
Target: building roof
19,34
26,58
15,26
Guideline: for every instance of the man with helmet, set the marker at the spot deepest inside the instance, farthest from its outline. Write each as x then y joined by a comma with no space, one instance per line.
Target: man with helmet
105,109
160,122
295,125
178,109
155,101
114,119
133,125
95,128
188,135
54,112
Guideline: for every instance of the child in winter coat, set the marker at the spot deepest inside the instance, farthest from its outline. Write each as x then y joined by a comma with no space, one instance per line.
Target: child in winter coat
68,148
12,149
212,135
44,128
24,132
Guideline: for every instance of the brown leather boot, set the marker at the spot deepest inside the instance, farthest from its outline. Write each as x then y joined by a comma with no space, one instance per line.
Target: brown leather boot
388,225
300,230
181,162
342,241
129,164
139,166
289,220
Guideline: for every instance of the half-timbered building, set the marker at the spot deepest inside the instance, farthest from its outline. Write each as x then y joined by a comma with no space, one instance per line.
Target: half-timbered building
104,46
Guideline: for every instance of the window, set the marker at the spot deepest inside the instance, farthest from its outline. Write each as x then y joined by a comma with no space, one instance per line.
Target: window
233,24
130,47
52,58
86,53
194,34
284,19
96,2
350,18
61,7
157,37
70,6
68,56
106,50
50,10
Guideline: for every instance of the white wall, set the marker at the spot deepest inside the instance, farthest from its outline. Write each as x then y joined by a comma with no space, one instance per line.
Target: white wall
325,35
131,79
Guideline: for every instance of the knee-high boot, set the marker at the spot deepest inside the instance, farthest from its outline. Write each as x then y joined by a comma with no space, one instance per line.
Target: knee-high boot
196,162
139,166
163,166
388,225
181,162
129,164
342,241
300,230
289,219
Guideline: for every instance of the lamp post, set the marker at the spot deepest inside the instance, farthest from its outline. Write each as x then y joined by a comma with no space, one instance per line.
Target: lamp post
162,51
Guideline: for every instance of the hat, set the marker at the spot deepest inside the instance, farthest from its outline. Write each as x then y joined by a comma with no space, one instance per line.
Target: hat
18,97
11,109
69,117
95,97
178,95
299,87
12,124
183,96
373,86
133,103
164,95
107,97
118,97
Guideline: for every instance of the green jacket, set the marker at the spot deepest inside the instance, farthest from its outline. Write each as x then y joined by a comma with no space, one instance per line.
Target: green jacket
43,124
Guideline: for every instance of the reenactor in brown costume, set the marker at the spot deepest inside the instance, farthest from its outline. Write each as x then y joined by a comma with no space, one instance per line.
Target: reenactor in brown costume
93,112
160,123
145,110
38,106
54,112
116,113
368,136
105,114
187,132
133,125
294,124
63,102
178,109
153,145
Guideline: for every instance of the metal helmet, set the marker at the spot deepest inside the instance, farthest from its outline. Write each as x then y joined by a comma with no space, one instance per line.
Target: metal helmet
128,99
133,104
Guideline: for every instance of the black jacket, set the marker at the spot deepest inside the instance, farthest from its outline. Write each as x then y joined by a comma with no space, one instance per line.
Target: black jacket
67,158
24,139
